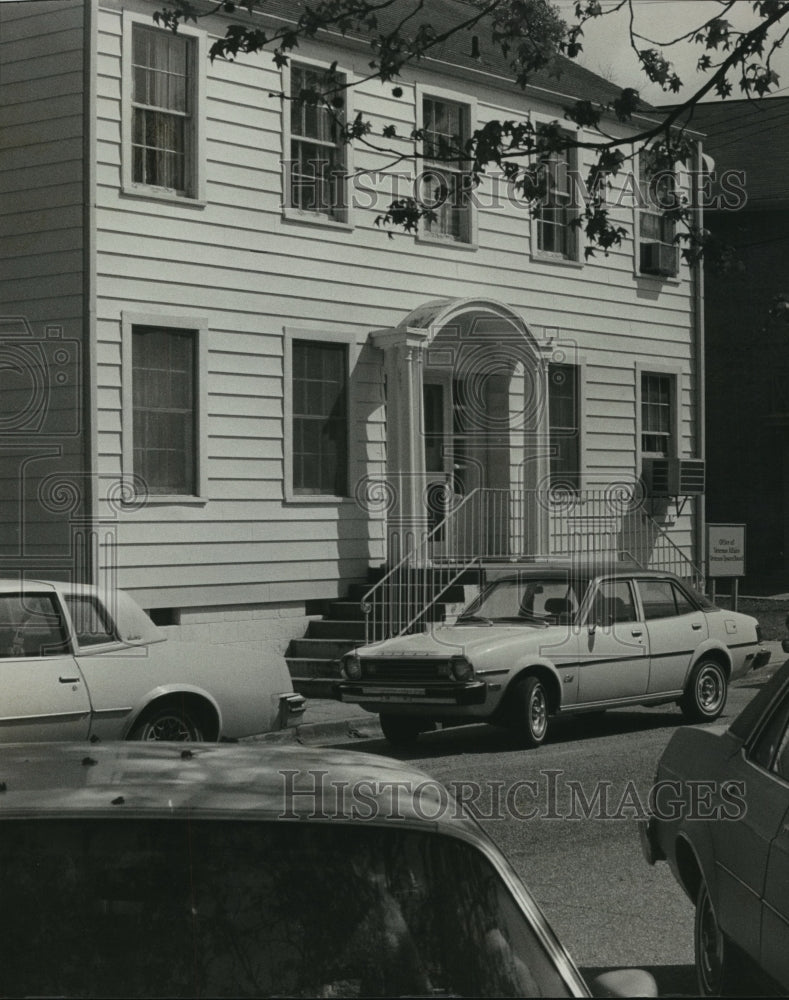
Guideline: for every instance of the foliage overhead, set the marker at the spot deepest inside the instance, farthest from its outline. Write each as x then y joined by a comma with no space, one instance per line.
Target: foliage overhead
531,38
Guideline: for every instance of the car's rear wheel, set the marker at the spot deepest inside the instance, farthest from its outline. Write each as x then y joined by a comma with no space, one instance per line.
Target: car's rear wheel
530,711
719,967
706,692
400,730
171,722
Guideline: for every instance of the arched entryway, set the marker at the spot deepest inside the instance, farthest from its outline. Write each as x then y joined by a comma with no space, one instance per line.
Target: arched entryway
466,390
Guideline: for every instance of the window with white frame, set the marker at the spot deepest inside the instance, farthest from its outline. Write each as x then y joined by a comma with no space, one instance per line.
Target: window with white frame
445,180
319,390
658,254
564,422
163,109
317,167
657,415
164,409
554,235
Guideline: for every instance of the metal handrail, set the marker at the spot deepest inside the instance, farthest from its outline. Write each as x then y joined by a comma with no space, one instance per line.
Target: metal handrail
495,524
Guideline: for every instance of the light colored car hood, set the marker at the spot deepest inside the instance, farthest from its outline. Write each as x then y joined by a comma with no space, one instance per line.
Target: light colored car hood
473,641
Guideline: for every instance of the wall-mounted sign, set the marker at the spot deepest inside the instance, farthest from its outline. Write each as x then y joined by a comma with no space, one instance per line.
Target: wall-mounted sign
726,550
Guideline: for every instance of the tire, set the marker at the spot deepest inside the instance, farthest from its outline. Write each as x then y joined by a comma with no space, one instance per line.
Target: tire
720,970
530,715
706,693
170,722
400,730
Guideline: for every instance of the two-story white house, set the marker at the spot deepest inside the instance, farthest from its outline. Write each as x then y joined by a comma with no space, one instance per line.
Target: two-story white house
228,392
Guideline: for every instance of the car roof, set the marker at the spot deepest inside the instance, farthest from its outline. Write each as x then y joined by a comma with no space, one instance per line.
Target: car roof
14,585
251,780
577,567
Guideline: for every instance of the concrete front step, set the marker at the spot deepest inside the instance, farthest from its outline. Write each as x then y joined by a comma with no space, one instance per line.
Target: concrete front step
345,611
329,628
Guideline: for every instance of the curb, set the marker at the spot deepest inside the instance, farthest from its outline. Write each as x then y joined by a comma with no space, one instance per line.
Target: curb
308,732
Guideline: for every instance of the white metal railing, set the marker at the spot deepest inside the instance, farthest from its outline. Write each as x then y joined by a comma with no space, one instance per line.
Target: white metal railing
489,525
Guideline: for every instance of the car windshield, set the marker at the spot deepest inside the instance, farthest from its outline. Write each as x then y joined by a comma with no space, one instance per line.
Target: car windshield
177,908
533,601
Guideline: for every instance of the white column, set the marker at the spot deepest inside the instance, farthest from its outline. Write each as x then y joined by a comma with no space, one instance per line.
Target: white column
405,447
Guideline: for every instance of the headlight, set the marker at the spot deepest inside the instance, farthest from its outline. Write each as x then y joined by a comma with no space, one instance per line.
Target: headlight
352,667
461,669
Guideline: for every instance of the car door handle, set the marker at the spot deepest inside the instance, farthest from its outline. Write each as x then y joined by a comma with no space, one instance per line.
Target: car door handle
696,626
69,680
636,632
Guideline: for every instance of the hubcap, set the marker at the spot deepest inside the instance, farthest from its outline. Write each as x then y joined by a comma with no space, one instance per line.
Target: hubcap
169,727
538,713
710,689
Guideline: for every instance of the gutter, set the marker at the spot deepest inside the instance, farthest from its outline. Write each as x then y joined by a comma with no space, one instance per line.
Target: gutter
698,349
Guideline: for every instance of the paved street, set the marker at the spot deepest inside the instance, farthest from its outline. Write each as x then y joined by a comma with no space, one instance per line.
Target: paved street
586,871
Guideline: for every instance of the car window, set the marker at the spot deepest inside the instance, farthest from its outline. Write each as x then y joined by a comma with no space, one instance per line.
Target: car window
613,602
31,625
91,624
763,750
545,600
663,599
220,908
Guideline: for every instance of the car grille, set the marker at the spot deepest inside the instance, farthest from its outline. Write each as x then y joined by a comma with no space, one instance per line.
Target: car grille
391,669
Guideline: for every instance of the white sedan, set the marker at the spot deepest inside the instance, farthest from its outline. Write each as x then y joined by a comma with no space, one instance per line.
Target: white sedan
77,662
555,639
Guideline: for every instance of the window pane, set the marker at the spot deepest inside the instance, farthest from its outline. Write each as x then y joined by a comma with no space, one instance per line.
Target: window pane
320,424
656,414
564,425
163,400
657,597
31,625
161,86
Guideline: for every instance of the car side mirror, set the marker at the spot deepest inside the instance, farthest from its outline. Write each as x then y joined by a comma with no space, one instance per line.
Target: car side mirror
624,983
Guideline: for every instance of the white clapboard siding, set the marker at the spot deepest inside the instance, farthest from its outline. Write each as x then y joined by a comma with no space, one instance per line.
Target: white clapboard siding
251,274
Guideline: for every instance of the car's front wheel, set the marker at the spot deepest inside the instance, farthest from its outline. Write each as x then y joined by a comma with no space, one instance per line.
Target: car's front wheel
400,730
719,967
706,692
169,722
530,711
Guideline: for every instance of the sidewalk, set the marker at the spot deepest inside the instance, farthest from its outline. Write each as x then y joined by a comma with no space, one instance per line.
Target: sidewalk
325,719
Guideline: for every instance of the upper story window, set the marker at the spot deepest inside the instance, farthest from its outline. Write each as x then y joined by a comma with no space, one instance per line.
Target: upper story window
320,418
658,254
162,109
564,426
657,408
163,87
446,183
554,235
164,408
318,173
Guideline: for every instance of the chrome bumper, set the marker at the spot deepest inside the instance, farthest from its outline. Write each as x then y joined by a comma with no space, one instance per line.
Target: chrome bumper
291,709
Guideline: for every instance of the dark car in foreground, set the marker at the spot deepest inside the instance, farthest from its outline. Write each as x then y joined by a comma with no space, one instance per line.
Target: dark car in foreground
557,638
151,870
721,820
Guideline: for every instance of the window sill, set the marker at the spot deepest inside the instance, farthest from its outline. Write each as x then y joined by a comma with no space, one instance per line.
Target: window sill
166,499
160,194
545,257
315,219
446,241
315,498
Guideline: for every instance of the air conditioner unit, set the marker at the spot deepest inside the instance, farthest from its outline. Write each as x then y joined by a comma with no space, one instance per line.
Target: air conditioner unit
659,258
674,477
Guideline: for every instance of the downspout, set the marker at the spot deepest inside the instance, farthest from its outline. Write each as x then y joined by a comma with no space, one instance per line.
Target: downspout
90,554
698,347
